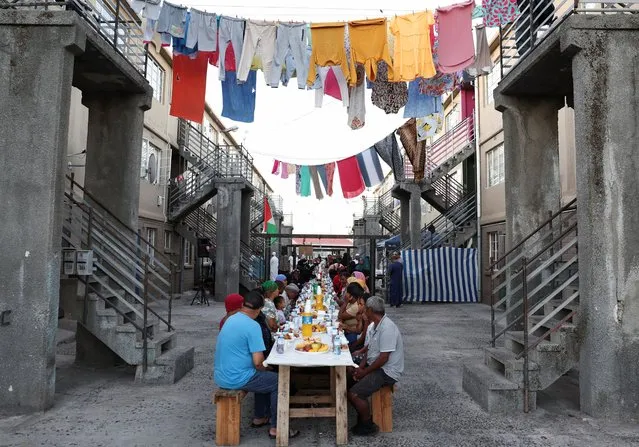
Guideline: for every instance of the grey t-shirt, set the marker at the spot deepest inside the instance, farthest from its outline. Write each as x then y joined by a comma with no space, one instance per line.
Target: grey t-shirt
385,337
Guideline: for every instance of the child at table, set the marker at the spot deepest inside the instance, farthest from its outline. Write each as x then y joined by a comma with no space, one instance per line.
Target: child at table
279,306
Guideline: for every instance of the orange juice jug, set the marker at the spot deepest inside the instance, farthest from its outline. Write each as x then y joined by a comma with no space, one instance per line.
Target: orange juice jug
307,324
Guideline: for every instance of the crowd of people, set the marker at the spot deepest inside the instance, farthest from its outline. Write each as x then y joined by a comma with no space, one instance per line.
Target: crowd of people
247,336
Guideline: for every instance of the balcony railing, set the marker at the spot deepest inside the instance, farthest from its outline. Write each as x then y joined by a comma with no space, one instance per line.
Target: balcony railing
519,38
114,21
445,147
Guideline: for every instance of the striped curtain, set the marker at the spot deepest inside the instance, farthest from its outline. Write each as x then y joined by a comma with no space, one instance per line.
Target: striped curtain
447,275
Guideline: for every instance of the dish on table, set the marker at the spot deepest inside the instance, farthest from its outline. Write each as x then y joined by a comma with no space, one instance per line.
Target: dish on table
312,347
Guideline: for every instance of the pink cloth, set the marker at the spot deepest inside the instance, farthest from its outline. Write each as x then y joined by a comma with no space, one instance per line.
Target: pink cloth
284,170
276,167
330,173
455,37
350,177
359,275
331,88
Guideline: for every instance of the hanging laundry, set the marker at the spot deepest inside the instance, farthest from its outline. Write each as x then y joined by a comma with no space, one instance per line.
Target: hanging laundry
441,82
369,45
350,177
415,150
238,100
357,100
388,96
305,181
418,104
179,43
290,49
149,9
326,173
429,126
498,12
229,56
455,36
202,31
259,42
276,167
165,39
149,30
316,183
298,180
331,78
483,64
327,50
370,167
478,12
189,87
230,34
172,20
292,169
284,169
413,50
388,149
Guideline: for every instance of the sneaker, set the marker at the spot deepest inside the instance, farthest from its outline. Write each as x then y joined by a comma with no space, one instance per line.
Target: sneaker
365,429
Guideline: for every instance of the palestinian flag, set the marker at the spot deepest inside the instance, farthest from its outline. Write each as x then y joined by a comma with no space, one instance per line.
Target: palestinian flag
269,220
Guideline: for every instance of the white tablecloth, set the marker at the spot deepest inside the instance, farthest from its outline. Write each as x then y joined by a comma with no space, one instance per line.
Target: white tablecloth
291,357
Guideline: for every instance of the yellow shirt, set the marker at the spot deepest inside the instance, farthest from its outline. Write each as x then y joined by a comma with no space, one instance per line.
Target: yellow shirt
352,309
328,49
413,56
369,45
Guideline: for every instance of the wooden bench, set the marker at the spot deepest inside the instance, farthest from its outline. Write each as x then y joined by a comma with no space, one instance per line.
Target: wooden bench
382,408
228,416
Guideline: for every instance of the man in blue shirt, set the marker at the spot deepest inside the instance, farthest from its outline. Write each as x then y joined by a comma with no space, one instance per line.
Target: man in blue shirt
239,362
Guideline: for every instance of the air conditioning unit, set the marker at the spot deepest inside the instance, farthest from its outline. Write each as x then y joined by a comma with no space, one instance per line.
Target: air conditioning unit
160,200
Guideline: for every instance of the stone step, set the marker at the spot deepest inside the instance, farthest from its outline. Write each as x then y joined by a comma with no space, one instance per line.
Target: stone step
552,323
169,367
574,305
518,338
501,360
492,391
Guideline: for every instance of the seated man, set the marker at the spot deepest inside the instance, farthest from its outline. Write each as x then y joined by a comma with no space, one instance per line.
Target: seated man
239,362
382,364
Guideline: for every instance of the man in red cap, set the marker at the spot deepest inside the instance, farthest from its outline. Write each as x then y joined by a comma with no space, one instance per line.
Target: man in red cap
233,304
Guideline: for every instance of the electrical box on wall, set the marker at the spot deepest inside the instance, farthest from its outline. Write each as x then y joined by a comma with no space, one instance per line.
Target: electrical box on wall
84,262
68,261
160,200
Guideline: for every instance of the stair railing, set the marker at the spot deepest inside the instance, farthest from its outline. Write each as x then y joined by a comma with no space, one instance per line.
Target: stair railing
121,254
539,269
451,143
449,189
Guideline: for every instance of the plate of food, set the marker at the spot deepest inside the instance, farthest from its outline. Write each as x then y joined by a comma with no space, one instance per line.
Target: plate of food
319,327
312,347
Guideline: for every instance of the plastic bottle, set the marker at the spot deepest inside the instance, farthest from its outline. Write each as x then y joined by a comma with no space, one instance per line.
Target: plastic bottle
337,344
280,345
307,320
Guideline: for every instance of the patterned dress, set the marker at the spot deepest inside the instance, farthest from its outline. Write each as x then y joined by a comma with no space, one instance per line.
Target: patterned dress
388,96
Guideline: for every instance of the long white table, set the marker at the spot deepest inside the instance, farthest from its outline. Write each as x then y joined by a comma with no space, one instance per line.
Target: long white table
337,396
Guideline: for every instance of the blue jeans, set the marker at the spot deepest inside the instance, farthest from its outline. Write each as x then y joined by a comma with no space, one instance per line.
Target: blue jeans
264,385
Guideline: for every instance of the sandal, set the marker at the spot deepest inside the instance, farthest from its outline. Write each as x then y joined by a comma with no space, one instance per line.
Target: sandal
254,425
291,434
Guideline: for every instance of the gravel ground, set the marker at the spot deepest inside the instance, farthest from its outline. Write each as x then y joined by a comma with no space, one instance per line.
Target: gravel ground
96,407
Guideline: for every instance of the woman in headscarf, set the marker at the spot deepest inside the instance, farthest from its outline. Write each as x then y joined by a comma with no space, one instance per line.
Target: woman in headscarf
269,292
361,277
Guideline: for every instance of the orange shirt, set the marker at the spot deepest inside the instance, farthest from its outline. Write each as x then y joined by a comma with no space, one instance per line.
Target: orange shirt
369,45
328,49
413,57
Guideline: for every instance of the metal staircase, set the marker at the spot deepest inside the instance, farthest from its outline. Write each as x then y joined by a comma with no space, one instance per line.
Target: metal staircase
197,225
535,310
128,298
388,216
444,193
451,229
450,149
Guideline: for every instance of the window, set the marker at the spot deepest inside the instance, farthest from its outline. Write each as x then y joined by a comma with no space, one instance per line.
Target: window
215,136
155,75
452,118
188,253
168,240
492,80
150,166
495,163
496,245
151,237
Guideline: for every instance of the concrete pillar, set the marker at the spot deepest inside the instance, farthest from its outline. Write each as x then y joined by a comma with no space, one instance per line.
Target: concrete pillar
607,123
415,218
531,157
114,148
404,227
229,223
36,66
245,223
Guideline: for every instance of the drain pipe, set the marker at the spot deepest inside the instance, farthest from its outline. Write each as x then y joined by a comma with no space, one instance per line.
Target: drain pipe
478,190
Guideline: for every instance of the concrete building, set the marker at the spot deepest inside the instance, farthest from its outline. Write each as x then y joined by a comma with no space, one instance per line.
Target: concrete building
567,283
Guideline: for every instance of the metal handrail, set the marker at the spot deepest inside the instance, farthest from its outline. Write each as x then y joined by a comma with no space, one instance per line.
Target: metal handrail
519,38
113,20
452,142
